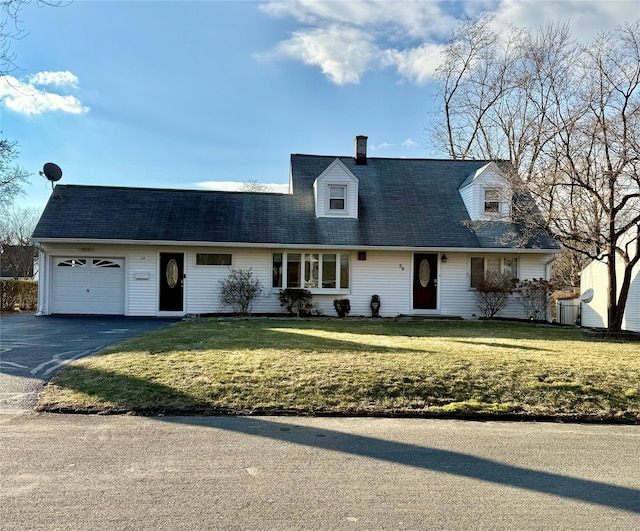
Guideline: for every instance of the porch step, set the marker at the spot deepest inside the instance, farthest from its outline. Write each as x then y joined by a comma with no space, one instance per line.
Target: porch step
429,318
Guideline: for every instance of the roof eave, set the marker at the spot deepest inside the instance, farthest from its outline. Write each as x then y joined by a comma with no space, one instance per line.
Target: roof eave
279,245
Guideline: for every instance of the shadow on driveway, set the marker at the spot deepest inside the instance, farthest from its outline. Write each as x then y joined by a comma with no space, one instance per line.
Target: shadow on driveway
33,348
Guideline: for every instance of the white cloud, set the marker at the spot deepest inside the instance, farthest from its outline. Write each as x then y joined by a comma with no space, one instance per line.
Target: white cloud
409,143
26,98
65,78
415,18
586,17
342,53
381,147
234,186
416,64
347,39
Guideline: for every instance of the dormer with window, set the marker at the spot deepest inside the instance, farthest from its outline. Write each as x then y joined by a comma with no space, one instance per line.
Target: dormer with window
336,192
487,194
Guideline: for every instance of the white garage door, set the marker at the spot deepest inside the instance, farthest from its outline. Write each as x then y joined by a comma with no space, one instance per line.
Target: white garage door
88,286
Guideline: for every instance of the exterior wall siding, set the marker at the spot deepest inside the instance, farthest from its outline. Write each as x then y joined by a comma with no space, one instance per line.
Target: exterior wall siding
142,283
594,314
632,313
529,267
456,295
467,197
202,287
388,274
458,298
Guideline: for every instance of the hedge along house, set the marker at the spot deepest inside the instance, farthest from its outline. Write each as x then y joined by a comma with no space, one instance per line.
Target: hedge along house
419,233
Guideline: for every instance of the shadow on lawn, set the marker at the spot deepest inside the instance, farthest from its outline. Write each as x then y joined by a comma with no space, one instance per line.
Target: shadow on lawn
258,335
501,345
121,391
315,334
116,393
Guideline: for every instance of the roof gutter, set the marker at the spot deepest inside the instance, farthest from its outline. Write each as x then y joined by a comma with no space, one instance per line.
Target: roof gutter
274,245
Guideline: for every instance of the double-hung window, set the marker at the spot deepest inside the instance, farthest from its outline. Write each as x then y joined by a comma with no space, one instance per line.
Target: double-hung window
481,266
337,198
310,270
491,201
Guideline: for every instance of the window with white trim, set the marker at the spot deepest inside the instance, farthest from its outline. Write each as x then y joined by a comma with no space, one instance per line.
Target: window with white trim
481,265
213,259
337,197
491,201
310,270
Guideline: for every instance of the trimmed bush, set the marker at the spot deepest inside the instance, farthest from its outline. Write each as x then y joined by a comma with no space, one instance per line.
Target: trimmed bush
342,306
296,301
18,294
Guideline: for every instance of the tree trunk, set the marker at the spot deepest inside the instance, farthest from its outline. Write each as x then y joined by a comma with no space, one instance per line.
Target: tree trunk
614,320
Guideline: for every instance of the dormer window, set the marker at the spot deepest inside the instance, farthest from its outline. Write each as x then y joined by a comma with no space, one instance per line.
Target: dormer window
486,194
337,197
335,192
491,201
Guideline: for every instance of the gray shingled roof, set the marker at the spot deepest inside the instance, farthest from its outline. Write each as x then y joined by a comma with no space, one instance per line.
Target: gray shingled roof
402,203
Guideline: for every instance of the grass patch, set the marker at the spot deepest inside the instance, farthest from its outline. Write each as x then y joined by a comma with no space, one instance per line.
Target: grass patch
357,367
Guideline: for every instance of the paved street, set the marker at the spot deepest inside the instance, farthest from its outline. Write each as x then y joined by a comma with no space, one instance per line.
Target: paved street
126,472
33,348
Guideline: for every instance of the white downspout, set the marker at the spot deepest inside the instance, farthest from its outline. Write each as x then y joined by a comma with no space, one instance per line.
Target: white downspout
547,273
43,277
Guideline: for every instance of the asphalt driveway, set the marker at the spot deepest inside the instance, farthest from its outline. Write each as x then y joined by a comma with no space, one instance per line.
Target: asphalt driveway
33,348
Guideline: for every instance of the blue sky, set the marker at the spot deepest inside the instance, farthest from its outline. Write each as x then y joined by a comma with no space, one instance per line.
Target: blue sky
185,94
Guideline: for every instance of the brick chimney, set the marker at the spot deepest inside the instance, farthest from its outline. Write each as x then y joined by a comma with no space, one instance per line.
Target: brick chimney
361,149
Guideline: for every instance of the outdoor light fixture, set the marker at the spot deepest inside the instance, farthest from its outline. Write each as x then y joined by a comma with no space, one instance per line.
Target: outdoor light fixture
444,258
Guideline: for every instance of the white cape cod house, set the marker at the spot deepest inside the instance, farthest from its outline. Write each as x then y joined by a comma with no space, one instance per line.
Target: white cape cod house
419,233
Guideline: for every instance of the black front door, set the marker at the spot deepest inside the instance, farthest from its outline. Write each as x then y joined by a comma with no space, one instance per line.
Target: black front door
171,282
425,281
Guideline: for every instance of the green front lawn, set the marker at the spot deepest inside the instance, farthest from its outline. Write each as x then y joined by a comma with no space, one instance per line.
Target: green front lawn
383,367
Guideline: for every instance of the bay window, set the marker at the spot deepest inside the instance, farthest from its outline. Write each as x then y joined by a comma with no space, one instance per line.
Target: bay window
310,270
329,273
293,269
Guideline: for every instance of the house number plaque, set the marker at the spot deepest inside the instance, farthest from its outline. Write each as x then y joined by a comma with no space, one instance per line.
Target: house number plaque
172,273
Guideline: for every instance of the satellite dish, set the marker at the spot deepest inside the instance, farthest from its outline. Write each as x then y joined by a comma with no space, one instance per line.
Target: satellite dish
587,296
51,172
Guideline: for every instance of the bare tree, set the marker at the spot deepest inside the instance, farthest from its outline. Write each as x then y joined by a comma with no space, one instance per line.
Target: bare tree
17,251
11,28
568,119
254,186
567,266
12,177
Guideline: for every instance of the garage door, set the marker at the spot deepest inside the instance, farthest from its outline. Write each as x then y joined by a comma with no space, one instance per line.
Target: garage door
88,286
